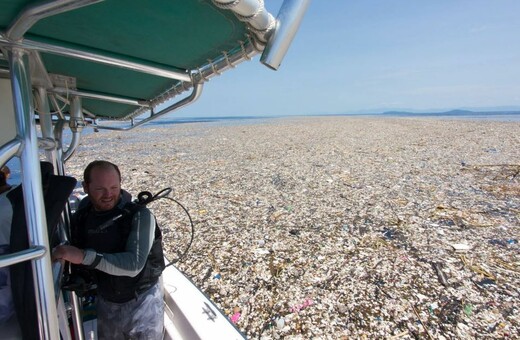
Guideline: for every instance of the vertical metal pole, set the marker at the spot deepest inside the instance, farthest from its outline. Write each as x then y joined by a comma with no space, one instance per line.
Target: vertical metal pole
44,112
287,23
76,126
46,123
58,137
32,192
76,316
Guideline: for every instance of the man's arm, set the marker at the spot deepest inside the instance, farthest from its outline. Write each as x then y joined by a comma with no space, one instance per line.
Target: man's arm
132,260
127,263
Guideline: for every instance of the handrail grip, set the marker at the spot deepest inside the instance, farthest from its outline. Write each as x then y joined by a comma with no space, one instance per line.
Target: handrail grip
21,256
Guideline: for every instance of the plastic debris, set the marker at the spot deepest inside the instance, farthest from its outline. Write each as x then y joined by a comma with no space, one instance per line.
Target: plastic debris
294,232
486,283
299,307
235,317
437,266
404,175
468,309
503,243
280,323
461,247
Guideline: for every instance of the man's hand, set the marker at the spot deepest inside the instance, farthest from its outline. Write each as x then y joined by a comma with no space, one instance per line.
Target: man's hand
68,253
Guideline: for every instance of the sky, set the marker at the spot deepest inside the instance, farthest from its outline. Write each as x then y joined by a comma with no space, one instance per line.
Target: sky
367,56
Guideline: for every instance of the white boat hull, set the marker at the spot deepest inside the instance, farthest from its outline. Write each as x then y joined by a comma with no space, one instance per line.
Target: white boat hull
189,314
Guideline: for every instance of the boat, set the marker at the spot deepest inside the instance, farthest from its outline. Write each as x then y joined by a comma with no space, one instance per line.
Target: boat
67,66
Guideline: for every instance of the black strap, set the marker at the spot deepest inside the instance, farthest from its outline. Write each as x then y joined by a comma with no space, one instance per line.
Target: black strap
96,261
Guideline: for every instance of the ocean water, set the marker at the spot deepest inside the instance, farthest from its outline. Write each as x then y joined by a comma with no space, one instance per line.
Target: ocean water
495,118
14,164
225,120
488,116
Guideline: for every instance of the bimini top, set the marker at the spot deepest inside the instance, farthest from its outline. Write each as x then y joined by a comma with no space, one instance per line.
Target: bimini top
123,58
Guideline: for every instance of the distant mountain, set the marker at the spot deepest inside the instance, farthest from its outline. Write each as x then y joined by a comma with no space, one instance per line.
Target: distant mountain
458,113
402,110
397,113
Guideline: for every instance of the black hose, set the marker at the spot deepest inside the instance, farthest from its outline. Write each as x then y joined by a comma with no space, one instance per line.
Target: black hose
191,238
146,197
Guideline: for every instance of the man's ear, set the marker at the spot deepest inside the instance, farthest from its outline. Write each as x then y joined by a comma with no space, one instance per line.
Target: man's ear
85,186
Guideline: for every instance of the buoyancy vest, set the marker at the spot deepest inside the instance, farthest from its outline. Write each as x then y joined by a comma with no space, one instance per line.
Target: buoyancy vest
112,239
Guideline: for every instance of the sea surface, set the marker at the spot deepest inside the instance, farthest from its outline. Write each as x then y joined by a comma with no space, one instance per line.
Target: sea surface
14,164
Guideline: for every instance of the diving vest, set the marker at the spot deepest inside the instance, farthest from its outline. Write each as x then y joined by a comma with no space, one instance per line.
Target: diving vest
112,238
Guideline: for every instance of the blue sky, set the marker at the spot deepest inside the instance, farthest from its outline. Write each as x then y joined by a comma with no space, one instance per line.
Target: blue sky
361,56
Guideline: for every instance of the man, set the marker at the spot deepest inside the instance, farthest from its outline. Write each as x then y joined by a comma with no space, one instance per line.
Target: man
125,253
6,211
5,173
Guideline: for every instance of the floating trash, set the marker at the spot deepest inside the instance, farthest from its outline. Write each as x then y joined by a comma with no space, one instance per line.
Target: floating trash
487,282
491,150
377,203
294,232
468,309
461,247
502,243
299,307
235,317
280,323
389,234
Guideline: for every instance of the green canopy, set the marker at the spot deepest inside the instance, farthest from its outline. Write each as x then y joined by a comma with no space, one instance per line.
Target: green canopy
139,52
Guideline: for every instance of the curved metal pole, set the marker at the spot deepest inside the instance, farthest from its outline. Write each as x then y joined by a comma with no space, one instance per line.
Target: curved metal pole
21,256
32,14
44,112
197,90
100,96
76,124
9,150
58,136
76,136
207,71
32,192
144,67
